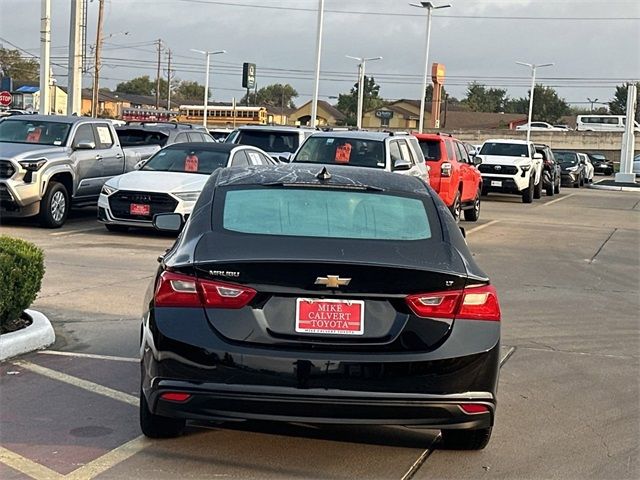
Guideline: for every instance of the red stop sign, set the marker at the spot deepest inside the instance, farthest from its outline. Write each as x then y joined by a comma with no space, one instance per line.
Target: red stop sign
5,98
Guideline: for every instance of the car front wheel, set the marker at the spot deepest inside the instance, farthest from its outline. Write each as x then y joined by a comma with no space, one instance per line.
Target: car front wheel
54,206
537,191
527,193
466,439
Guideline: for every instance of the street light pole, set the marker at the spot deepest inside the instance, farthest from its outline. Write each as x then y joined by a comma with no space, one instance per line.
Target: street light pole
533,68
316,87
361,79
430,7
595,100
207,55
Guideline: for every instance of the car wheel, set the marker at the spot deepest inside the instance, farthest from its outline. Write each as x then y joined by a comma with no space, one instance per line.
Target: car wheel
54,206
466,439
577,183
582,181
527,193
556,189
456,207
155,426
116,228
550,188
472,214
537,191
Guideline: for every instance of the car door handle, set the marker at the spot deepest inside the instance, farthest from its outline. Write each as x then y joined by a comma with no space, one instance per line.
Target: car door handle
98,157
118,155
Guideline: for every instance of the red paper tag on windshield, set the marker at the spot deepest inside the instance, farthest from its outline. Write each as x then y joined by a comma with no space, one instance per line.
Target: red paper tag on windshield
34,136
191,163
343,153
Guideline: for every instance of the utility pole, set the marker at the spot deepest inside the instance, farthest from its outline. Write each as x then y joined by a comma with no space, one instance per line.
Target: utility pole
96,66
159,41
316,85
74,98
361,84
168,79
45,58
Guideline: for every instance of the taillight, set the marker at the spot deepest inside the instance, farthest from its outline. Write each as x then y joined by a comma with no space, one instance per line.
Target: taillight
179,290
473,303
445,169
175,396
473,408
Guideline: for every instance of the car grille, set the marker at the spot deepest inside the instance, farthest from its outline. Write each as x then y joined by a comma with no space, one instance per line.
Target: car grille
498,169
120,203
5,197
6,169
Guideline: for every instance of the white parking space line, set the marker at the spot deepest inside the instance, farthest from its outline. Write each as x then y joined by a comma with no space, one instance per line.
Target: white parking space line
507,356
26,466
110,460
78,382
78,230
557,200
413,469
89,355
482,227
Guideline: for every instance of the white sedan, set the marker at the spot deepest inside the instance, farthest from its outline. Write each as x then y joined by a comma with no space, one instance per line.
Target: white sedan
540,127
170,181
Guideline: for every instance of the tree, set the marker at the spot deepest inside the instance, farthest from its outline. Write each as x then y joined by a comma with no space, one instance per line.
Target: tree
547,105
348,102
618,105
482,99
276,95
142,86
13,65
190,91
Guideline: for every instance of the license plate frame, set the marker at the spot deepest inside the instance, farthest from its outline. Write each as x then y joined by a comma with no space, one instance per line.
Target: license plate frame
140,209
496,183
329,320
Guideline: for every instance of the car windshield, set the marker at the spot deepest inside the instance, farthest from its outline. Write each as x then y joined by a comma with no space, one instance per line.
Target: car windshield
566,158
430,149
343,151
269,141
504,149
133,137
304,212
187,160
34,131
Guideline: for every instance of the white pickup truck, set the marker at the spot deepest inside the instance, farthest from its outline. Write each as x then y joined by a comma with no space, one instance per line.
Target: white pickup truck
49,162
511,166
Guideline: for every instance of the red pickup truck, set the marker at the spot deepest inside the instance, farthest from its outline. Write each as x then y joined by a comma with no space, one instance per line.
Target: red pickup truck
453,174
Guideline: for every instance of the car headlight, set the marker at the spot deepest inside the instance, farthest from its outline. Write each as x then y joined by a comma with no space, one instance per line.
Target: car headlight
33,165
525,168
107,190
187,196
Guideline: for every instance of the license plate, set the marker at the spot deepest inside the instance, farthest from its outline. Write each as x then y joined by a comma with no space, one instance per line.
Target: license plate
496,183
330,317
139,209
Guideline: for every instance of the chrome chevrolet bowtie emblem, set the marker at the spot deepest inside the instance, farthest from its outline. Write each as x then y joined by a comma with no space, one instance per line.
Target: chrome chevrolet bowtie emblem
332,281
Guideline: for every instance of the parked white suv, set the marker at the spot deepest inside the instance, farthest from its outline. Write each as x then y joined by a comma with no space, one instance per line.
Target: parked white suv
511,166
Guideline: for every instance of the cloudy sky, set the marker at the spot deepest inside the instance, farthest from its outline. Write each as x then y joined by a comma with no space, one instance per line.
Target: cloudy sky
476,40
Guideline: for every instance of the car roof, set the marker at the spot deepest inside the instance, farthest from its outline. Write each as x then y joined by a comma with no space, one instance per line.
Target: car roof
211,146
307,174
276,128
358,134
506,140
53,118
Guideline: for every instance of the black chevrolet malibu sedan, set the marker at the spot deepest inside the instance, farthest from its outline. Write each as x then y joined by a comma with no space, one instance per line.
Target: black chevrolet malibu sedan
320,294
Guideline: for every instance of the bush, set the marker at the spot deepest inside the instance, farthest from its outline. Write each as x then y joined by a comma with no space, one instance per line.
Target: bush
21,272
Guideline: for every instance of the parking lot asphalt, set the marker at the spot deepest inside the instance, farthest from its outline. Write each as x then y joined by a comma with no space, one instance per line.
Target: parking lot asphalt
567,270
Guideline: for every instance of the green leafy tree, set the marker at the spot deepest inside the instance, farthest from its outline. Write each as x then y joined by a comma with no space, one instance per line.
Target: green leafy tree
190,91
618,105
276,95
547,105
348,102
13,65
482,99
142,86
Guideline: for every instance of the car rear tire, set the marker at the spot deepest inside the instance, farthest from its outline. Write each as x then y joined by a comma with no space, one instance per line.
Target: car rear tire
527,193
155,426
556,188
537,191
582,181
550,190
116,228
472,214
577,183
456,207
54,206
466,439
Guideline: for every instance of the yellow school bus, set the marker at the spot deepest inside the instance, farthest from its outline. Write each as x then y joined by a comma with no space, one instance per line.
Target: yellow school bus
223,115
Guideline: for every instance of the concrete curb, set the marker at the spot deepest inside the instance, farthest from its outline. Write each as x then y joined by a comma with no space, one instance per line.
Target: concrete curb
612,188
36,336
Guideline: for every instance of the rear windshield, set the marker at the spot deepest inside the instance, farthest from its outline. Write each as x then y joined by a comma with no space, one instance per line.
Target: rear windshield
130,137
343,151
276,142
504,149
187,160
430,149
304,212
566,157
33,131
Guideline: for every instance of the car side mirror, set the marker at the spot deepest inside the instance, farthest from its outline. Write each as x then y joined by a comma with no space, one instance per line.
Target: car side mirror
140,164
283,158
537,156
400,164
477,161
168,222
85,146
